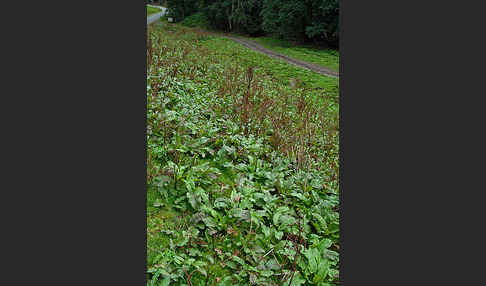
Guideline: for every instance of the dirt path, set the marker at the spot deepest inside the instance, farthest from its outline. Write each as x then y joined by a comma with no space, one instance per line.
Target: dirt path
259,48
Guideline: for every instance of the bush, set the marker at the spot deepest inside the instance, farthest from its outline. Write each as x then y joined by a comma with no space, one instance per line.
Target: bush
179,9
196,20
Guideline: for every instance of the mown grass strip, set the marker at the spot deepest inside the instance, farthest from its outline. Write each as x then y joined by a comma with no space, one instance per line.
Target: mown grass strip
324,57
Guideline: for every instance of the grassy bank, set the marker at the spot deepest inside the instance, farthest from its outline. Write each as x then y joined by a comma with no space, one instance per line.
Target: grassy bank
324,57
152,10
242,165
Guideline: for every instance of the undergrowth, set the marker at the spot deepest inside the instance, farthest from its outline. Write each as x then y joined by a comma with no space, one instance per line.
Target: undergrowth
242,166
196,20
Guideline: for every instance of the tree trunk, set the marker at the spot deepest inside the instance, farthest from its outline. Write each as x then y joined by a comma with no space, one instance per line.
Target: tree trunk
229,19
232,10
183,9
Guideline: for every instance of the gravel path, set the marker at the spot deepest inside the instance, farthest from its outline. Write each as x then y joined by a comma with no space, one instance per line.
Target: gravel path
259,48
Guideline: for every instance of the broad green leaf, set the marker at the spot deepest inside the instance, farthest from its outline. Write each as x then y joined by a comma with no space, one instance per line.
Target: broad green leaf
178,259
210,258
313,257
287,220
238,259
322,271
273,264
202,271
298,280
276,218
324,244
266,230
184,241
166,281
192,200
230,264
209,222
156,276
158,203
299,195
266,273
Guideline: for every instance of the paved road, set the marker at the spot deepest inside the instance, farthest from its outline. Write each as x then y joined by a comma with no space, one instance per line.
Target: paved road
155,17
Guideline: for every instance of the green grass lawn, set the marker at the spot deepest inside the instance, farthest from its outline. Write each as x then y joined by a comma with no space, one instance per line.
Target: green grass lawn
242,165
324,57
152,10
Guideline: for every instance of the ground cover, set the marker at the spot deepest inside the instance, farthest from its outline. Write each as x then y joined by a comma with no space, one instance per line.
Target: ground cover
242,165
324,57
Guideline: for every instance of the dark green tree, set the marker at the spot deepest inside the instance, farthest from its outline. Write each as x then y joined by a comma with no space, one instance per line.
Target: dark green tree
179,9
301,20
325,23
316,20
235,15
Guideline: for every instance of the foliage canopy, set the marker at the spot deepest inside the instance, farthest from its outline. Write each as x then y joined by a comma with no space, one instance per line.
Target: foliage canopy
304,20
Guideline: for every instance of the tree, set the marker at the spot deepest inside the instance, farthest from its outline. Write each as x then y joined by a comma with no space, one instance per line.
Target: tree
302,20
316,20
235,15
247,16
325,23
179,9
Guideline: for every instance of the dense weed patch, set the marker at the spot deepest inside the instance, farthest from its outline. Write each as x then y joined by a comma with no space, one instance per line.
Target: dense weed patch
242,167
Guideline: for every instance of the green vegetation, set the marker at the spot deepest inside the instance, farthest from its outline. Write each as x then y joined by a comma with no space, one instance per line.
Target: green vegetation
310,20
152,10
278,70
242,165
324,57
312,53
196,20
